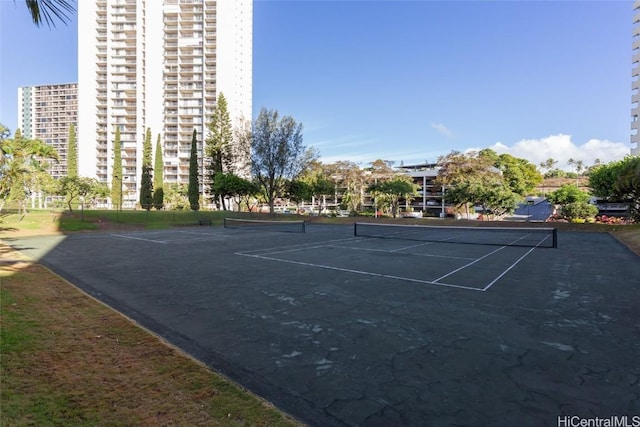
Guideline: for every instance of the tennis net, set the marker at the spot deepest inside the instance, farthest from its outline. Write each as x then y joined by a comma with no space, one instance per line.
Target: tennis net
500,236
295,226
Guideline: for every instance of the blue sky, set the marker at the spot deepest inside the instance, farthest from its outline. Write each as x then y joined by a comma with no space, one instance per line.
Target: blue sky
409,81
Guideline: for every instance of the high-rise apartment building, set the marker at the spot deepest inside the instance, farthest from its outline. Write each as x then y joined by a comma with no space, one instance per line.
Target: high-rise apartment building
635,81
45,112
158,64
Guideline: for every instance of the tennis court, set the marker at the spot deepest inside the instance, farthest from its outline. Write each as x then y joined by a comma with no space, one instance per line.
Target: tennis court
465,258
342,329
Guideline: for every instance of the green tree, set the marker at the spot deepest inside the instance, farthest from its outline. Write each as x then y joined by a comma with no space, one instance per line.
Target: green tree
468,178
21,167
194,185
146,183
176,196
277,152
392,191
321,183
549,164
603,179
158,177
619,181
4,132
320,189
628,184
298,191
520,175
351,180
231,185
349,183
72,152
573,201
497,200
49,10
579,210
72,187
116,174
218,146
568,193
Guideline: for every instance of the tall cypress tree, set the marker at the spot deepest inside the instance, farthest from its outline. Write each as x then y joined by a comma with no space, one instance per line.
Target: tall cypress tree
72,153
194,186
116,174
218,146
146,183
158,177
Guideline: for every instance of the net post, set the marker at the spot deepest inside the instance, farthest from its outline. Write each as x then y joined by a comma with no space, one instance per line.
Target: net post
304,226
224,222
555,238
355,229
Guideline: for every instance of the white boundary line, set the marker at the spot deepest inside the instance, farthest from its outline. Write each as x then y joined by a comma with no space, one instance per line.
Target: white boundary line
296,247
396,251
507,270
366,273
140,238
470,264
271,251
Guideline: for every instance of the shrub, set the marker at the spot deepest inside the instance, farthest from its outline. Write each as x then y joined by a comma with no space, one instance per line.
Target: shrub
579,210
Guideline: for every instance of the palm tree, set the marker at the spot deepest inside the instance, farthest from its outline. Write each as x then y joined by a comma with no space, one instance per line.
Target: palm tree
49,11
549,164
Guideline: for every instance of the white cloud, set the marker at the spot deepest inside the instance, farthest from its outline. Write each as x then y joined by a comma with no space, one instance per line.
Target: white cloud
342,142
561,148
442,129
406,157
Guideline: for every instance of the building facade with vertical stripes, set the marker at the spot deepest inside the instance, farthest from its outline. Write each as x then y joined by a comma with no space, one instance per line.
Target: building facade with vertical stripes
158,64
635,80
45,112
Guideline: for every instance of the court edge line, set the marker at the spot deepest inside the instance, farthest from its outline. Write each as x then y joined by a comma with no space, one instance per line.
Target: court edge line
507,270
395,252
295,247
469,264
139,238
366,273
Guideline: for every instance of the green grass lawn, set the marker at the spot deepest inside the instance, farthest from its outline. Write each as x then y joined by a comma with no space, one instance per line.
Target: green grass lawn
63,221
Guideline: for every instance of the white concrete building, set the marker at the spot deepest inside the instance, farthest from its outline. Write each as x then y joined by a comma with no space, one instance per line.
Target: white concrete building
45,112
635,80
158,64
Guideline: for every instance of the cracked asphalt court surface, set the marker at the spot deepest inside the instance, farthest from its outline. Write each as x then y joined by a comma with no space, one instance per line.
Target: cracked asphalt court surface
342,331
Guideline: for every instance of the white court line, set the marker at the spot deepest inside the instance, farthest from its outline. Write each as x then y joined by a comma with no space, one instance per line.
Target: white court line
204,236
366,273
413,246
436,282
139,238
470,264
394,251
507,270
295,247
196,233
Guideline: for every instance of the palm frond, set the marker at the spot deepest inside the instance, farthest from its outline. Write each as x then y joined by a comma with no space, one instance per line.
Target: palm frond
50,11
